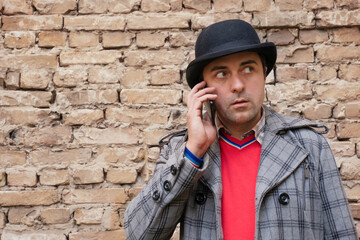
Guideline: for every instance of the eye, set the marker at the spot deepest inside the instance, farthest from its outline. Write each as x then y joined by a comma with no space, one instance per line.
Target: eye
248,69
221,74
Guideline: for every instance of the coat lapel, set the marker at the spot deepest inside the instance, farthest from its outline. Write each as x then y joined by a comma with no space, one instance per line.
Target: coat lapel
279,157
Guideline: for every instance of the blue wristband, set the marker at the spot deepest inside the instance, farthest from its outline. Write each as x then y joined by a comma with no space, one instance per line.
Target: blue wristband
197,162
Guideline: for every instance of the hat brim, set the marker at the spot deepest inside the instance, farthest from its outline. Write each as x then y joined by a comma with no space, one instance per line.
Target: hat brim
194,70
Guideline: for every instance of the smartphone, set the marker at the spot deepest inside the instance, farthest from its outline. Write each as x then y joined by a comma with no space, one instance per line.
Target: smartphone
210,109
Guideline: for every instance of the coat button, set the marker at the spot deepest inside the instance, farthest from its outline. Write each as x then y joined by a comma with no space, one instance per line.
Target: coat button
167,185
173,169
156,195
284,198
200,198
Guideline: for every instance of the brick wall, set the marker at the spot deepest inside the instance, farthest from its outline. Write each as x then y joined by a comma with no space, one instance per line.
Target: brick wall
87,87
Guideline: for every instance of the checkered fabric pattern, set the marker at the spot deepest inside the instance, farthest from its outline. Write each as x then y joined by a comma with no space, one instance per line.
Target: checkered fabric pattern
295,162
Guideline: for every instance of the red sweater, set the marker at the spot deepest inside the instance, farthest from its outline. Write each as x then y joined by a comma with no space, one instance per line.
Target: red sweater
239,167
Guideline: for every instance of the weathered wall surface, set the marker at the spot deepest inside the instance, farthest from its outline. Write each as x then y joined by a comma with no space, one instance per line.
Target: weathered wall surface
87,87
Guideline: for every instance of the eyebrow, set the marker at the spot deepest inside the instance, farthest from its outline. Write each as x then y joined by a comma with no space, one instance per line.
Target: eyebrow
241,64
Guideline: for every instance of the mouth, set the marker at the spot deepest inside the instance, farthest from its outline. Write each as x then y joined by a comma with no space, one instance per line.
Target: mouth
240,102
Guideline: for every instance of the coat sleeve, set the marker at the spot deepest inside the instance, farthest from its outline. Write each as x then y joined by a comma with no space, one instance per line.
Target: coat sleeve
157,209
338,222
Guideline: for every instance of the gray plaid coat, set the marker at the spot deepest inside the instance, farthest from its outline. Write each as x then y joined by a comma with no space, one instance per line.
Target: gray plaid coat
299,193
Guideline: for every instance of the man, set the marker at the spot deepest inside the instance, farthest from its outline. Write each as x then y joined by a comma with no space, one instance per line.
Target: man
252,174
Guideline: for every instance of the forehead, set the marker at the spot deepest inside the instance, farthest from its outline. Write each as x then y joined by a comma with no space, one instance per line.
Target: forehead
238,57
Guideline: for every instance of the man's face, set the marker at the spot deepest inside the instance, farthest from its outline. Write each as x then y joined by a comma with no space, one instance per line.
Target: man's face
239,80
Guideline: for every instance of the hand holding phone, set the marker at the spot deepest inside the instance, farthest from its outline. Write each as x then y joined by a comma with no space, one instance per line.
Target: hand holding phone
201,131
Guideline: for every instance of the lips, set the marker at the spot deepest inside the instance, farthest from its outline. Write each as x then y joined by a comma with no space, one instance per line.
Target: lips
239,101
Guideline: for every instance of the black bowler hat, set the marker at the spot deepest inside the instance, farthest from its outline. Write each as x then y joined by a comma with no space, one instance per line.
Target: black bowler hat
224,38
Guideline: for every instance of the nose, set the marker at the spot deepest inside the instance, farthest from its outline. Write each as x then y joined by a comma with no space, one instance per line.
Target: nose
237,83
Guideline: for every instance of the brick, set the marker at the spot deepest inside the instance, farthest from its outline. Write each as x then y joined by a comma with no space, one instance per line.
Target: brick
92,6
355,210
88,175
29,235
154,58
350,4
16,7
289,5
2,218
117,39
340,91
348,130
21,178
152,137
138,116
34,22
200,22
313,36
54,177
290,18
134,78
23,215
10,158
352,192
346,35
2,181
35,79
338,18
55,215
52,39
101,57
157,22
121,175
83,39
320,4
31,61
76,98
227,6
352,110
108,195
94,23
150,96
65,77
295,55
125,6
60,158
318,111
83,117
87,135
155,5
12,80
153,154
199,5
179,39
104,75
322,73
133,192
337,53
164,77
108,235
283,92
257,5
88,216
150,39
54,6
176,5
281,37
350,72
46,136
290,73
19,39
343,148
119,155
28,198
111,219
